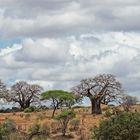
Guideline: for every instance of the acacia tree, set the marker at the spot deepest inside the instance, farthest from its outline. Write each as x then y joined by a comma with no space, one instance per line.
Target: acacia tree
101,89
24,94
58,98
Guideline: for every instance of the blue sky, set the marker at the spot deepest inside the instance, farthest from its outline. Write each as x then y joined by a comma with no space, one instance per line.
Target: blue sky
59,42
9,42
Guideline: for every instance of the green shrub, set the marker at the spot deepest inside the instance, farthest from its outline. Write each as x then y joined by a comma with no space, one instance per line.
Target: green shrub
124,126
6,128
16,109
77,106
8,110
38,131
64,117
27,110
31,109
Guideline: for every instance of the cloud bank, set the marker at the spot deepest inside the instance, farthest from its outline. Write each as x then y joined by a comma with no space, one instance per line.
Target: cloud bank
62,63
63,41
55,18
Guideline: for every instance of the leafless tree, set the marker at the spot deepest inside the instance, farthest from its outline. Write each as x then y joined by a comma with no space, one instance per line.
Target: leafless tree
127,101
3,89
101,89
24,94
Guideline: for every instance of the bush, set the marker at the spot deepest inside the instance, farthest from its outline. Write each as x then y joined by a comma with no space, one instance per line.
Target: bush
64,117
39,131
124,126
16,109
6,128
31,109
108,113
77,106
8,110
45,129
43,107
34,128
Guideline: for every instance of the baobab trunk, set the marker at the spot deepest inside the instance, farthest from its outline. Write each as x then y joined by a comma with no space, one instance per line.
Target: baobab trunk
95,106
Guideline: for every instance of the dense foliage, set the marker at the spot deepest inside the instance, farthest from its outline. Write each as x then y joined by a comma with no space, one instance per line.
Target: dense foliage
125,126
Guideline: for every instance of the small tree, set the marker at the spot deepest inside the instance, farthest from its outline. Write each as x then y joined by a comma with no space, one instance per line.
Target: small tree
101,89
3,89
24,94
127,101
58,98
125,126
64,118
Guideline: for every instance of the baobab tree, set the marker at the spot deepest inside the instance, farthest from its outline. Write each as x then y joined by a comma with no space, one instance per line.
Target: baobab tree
101,89
24,94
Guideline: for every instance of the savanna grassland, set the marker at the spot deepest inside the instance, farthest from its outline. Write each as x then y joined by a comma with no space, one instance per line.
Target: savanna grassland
79,128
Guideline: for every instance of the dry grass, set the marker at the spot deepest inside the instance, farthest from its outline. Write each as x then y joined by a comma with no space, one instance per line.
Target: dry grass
25,120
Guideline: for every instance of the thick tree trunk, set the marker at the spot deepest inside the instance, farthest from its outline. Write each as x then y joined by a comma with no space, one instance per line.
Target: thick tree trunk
95,106
27,104
24,105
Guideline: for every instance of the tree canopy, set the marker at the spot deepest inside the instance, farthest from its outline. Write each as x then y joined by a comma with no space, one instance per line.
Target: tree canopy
101,89
58,98
24,94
